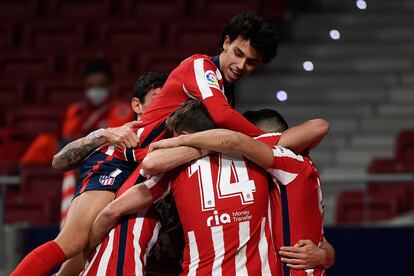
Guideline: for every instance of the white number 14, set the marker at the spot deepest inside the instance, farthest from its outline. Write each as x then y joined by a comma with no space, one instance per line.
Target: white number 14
228,166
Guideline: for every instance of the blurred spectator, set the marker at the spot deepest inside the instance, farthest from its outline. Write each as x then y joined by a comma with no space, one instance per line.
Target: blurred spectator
99,109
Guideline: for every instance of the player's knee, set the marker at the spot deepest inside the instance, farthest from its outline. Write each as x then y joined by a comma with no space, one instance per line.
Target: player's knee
72,243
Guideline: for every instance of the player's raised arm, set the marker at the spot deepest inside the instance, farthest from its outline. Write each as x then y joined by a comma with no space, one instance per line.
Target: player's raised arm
305,136
75,152
297,138
224,141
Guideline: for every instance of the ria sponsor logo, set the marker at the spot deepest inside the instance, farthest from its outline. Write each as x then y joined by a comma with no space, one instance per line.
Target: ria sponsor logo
217,219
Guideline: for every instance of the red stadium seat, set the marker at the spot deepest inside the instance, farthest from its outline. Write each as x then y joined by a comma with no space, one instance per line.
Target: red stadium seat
385,165
11,93
350,207
35,120
196,37
223,10
89,10
272,9
13,143
161,61
405,145
403,192
124,89
159,10
36,178
132,36
56,36
12,96
6,36
60,93
382,208
18,10
26,66
32,210
76,62
37,199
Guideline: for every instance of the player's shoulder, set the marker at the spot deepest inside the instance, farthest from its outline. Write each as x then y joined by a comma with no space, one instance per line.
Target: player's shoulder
270,139
198,58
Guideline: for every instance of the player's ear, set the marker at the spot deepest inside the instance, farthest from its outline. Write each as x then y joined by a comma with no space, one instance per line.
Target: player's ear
226,43
137,106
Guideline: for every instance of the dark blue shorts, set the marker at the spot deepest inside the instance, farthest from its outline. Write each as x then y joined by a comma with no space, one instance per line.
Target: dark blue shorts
103,172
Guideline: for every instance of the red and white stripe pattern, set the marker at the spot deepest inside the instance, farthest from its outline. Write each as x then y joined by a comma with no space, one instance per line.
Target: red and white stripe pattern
253,254
68,192
141,236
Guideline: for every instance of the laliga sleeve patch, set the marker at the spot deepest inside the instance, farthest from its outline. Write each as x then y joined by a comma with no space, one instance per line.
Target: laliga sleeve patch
211,79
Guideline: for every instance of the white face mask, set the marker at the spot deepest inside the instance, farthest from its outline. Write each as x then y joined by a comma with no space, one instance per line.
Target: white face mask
97,95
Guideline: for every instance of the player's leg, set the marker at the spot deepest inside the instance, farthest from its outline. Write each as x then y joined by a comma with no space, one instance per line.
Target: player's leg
74,236
71,240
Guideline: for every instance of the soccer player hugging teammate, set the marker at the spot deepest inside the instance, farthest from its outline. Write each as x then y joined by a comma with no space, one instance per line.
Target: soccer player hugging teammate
248,42
296,200
222,199
101,176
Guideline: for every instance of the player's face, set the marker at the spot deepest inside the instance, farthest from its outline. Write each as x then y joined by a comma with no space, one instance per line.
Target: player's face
148,98
139,107
238,59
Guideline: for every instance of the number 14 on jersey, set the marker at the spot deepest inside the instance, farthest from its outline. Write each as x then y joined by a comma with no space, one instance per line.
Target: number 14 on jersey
243,187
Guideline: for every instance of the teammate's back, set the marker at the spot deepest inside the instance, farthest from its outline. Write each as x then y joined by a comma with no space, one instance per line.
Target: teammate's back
222,203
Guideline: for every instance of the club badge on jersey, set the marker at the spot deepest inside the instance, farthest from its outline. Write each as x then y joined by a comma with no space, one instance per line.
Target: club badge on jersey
109,180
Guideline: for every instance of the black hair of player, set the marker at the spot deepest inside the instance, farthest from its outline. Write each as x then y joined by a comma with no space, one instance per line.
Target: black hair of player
148,81
99,67
267,117
261,34
192,116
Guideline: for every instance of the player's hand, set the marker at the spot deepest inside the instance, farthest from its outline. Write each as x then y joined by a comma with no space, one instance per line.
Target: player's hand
305,254
166,143
123,136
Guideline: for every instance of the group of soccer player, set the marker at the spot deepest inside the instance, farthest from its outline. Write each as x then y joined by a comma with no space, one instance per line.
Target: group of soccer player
247,206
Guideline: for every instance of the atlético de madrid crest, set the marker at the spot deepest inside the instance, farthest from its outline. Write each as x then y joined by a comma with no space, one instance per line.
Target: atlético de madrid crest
109,180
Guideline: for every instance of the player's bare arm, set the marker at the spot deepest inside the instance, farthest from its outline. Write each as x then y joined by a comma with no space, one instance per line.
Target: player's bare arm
163,160
224,141
305,254
135,200
75,152
305,136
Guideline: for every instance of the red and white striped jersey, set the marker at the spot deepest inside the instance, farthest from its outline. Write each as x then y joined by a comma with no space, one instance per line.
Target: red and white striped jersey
222,203
197,77
296,201
125,249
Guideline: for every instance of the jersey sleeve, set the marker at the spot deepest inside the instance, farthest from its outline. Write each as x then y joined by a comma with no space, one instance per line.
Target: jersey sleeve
159,186
286,165
270,139
205,83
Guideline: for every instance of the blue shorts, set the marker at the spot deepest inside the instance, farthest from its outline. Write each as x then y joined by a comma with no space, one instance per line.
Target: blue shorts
103,172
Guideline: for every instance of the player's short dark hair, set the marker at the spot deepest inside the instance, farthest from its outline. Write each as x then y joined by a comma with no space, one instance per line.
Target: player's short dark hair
147,82
192,116
261,34
267,117
97,67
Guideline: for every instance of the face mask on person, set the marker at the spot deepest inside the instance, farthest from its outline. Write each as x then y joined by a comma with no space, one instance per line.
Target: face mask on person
97,95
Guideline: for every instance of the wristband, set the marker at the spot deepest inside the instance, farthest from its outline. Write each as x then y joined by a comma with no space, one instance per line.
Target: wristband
97,133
